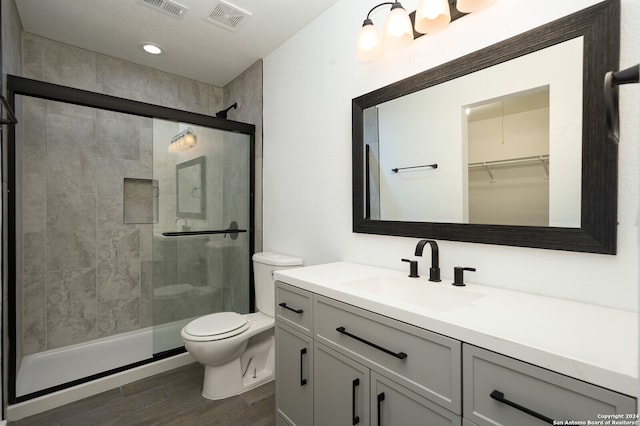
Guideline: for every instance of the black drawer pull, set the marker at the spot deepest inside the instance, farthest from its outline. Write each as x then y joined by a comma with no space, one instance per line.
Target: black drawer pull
284,305
380,399
499,396
354,419
399,355
303,352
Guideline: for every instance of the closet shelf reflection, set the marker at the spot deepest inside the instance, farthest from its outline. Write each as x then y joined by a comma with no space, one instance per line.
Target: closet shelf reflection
490,165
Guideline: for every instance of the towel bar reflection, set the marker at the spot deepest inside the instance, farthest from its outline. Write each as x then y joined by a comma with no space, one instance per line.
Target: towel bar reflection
397,169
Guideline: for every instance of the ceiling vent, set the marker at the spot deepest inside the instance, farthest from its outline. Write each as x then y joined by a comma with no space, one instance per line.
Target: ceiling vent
227,15
167,7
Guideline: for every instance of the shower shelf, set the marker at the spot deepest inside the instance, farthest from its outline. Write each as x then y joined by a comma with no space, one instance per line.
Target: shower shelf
218,231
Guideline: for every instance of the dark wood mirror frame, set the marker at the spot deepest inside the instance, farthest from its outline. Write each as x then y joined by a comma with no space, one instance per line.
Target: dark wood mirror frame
600,27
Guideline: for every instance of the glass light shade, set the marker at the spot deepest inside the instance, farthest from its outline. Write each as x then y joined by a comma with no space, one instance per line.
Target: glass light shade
468,6
432,16
369,44
190,140
398,31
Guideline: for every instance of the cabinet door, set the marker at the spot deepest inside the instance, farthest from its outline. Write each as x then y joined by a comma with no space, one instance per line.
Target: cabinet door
393,404
294,376
340,389
499,390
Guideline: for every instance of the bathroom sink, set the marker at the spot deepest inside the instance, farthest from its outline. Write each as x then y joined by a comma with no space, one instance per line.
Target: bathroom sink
415,291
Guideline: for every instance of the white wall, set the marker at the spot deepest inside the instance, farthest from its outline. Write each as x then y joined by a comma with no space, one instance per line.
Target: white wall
309,82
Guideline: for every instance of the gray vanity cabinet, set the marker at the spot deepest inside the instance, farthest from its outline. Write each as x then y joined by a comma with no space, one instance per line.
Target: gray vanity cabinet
347,393
500,390
393,404
340,389
424,362
406,375
294,356
294,377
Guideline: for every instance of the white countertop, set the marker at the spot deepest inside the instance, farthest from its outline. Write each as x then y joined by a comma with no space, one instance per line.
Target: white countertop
592,343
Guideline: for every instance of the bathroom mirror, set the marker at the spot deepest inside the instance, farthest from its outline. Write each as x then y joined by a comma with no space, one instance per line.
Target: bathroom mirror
191,189
416,164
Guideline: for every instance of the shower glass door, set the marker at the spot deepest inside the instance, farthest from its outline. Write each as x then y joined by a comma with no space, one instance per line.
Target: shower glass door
117,236
201,207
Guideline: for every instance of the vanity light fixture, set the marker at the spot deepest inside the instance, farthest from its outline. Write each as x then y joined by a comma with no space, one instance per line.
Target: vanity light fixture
429,17
398,33
183,141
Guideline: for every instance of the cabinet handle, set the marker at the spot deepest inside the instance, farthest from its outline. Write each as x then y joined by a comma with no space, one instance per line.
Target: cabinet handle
399,355
354,419
499,396
380,399
284,305
303,352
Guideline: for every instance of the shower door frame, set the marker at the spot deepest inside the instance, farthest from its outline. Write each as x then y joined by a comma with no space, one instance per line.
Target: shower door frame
38,89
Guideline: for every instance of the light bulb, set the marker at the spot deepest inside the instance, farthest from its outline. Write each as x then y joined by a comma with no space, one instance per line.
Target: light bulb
398,31
432,16
189,140
468,6
369,44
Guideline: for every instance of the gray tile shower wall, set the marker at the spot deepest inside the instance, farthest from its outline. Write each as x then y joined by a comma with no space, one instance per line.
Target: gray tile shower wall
86,273
82,271
246,90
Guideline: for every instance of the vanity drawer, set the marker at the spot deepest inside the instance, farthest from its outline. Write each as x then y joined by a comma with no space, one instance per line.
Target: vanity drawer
545,393
294,307
425,362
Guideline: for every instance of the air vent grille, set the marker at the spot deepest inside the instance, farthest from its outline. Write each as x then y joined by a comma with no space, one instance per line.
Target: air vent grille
168,7
227,16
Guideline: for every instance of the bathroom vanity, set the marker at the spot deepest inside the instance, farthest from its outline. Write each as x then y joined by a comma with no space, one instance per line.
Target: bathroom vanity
361,345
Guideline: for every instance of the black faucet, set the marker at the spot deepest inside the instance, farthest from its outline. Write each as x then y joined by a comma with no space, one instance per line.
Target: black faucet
413,268
458,275
434,271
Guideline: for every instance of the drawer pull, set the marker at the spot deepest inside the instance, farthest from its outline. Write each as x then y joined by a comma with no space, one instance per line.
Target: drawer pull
499,396
354,419
380,399
284,305
303,352
399,355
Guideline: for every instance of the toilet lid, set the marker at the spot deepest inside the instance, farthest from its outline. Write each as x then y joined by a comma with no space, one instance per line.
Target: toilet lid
215,324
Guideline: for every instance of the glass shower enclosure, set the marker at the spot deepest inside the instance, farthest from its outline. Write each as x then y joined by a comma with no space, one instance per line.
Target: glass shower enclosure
126,220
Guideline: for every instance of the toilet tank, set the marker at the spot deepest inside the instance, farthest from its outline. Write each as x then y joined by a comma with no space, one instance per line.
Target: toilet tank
263,266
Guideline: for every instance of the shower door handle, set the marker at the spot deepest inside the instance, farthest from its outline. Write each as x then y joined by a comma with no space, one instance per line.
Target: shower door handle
303,352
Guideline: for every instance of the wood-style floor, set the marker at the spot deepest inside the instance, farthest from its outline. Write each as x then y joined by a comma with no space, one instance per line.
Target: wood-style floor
171,398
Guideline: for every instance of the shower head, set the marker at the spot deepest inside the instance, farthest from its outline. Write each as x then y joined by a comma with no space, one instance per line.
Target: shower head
223,113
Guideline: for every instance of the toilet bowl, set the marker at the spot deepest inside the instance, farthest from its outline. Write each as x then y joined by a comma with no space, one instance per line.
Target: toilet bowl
238,350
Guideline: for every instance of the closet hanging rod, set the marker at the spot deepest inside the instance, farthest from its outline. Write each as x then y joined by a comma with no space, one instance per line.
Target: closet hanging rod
433,166
217,231
522,160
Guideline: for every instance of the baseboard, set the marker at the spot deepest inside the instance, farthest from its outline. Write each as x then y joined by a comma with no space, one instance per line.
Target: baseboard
76,393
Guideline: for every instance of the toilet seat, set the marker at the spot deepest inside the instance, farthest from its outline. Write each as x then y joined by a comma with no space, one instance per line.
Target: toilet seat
216,326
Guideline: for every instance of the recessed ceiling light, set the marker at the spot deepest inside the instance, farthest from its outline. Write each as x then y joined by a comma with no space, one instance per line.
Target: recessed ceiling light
152,48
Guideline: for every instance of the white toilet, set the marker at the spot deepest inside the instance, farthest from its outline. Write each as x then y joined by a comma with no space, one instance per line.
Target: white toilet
238,351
